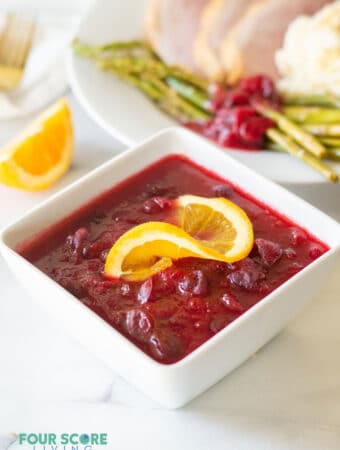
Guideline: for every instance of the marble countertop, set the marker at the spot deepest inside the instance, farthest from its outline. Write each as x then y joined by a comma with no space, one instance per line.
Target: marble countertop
286,397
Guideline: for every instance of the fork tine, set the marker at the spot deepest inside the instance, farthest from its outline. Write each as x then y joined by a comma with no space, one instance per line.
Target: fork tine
8,47
24,44
16,41
4,36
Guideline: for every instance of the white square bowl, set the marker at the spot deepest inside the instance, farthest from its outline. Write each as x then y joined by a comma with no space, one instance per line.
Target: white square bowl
176,384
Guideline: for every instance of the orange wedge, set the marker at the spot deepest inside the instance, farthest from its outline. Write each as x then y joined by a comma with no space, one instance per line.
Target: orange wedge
211,229
42,154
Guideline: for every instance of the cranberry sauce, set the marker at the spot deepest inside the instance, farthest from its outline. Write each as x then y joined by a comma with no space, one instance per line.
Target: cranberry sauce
171,314
236,122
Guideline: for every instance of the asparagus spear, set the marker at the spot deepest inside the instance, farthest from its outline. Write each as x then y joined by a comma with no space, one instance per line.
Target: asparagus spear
288,145
137,65
330,142
196,96
333,154
185,96
156,94
323,130
113,49
182,74
274,147
85,50
141,64
305,139
192,112
148,89
103,53
312,100
127,45
147,74
122,44
312,114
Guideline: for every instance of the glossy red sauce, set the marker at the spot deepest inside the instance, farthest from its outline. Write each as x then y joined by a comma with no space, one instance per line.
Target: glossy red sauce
235,122
170,315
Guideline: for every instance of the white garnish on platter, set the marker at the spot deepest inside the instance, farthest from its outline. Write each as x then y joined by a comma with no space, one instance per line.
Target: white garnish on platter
309,61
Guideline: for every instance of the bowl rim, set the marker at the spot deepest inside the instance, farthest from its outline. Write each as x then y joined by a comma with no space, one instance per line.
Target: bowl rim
83,180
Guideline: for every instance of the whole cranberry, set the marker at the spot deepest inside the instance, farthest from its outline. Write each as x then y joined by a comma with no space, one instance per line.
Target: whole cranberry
315,251
233,305
240,115
223,190
165,346
247,274
145,291
156,204
297,237
94,250
103,242
139,324
167,279
270,252
236,97
253,130
194,283
156,190
77,240
229,138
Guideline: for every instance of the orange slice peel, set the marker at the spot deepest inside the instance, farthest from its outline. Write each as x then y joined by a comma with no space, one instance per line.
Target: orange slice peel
214,229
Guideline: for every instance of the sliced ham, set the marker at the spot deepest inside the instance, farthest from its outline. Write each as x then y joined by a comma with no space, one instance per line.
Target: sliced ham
172,27
218,16
223,39
250,46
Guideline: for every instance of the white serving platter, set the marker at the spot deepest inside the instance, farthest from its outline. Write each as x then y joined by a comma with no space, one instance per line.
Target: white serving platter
130,117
